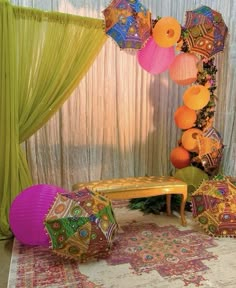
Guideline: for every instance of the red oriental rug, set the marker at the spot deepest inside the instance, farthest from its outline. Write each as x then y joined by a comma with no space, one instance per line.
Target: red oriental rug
149,251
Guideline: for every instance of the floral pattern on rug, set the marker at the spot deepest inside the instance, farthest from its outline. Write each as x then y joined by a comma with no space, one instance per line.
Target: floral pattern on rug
171,252
38,267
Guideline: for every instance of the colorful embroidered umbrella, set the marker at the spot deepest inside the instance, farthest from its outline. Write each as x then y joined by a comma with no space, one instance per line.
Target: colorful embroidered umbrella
211,147
206,31
128,22
81,225
214,207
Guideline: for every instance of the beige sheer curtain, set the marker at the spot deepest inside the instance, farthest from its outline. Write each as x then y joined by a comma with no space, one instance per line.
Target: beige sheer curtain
119,120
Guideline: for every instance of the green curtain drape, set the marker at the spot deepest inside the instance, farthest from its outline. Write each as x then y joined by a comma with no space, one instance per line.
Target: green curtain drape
43,56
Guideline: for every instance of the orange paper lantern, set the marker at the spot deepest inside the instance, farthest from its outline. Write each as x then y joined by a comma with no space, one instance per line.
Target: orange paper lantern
189,139
183,70
185,117
180,157
196,97
166,32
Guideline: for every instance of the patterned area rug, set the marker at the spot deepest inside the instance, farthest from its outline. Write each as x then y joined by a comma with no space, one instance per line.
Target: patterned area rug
149,251
169,251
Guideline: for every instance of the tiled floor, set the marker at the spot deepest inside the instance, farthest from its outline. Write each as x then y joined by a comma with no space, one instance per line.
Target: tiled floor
5,259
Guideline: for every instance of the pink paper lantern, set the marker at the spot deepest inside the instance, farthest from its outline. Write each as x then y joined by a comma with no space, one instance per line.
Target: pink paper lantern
155,59
183,70
28,211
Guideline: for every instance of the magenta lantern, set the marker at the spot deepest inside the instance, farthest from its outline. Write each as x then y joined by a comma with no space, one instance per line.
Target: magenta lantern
27,213
155,59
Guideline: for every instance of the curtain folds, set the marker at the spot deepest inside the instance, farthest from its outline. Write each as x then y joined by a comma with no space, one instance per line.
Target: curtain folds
43,58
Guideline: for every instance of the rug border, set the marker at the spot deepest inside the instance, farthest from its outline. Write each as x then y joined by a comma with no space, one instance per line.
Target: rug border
12,265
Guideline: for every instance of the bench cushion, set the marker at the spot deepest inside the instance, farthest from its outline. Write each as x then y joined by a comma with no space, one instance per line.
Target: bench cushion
132,183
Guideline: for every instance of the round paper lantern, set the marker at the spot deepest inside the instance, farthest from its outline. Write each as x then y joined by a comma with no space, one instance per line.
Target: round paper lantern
189,139
166,32
180,157
183,70
185,117
155,59
28,211
196,97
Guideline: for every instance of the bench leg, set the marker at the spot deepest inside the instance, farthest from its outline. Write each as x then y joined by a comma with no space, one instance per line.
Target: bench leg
168,204
182,208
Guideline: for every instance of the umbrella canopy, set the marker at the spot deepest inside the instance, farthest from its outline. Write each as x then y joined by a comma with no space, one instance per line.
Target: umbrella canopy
81,225
206,31
128,22
214,207
211,146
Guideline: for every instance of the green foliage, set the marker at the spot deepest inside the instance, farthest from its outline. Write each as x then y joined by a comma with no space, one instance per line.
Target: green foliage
155,204
207,74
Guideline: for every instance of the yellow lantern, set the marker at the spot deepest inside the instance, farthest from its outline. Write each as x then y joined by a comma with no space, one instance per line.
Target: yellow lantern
166,32
180,157
190,139
183,70
196,97
185,117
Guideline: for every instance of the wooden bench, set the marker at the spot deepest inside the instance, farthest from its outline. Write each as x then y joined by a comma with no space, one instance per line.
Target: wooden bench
139,187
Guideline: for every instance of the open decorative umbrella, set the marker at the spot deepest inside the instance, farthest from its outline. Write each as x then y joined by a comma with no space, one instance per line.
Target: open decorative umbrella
214,207
128,22
81,225
210,150
206,31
